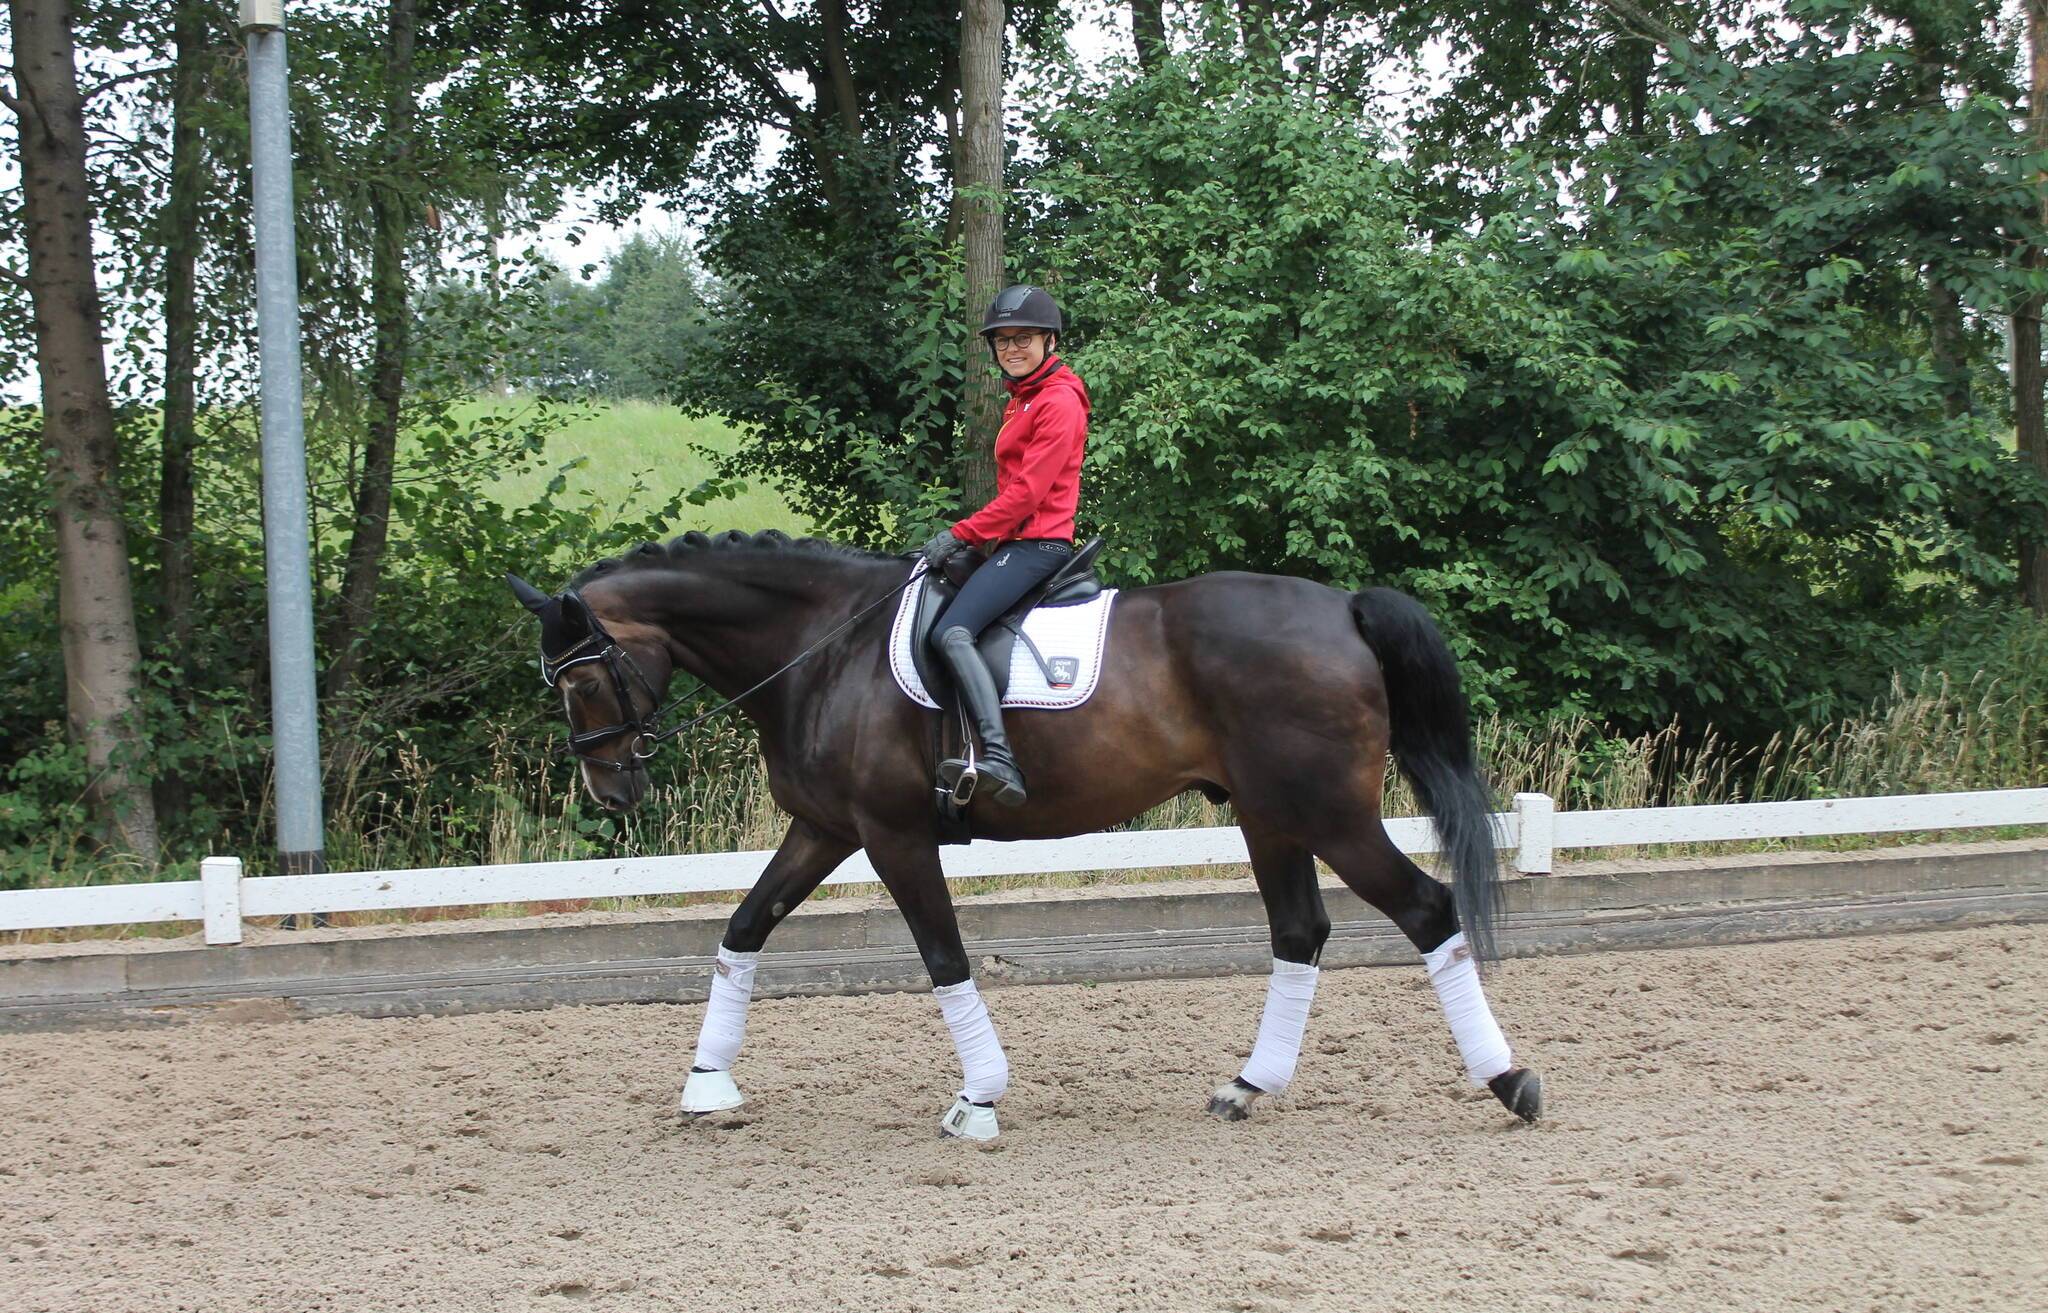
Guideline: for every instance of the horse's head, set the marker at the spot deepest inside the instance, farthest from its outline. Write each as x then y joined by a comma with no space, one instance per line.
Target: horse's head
611,673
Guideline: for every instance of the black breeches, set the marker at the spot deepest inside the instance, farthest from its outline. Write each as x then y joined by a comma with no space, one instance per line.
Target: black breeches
1014,570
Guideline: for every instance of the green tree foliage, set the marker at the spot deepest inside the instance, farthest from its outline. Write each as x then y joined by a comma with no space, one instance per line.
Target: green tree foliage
1663,453
631,334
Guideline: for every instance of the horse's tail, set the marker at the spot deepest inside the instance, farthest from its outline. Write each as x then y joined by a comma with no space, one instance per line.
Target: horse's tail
1432,742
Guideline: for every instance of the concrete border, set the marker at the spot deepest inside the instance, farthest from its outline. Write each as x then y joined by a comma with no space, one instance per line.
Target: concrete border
851,945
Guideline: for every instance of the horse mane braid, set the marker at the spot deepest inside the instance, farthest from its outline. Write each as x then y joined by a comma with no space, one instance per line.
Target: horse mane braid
732,540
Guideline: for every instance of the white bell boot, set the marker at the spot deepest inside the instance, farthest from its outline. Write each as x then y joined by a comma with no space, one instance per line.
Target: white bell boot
967,1120
710,1091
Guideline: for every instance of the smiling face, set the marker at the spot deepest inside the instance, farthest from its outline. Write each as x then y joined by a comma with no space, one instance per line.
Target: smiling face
1018,351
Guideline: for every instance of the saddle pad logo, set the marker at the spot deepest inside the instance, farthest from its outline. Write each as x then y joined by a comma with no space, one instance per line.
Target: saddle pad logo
1063,669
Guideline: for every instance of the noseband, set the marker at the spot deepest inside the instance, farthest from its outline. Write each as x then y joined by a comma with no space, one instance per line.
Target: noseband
618,662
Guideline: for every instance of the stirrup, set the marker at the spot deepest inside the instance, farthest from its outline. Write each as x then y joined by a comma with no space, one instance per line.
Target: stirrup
961,786
961,789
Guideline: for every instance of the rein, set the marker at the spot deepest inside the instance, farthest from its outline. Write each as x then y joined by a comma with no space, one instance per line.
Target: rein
646,731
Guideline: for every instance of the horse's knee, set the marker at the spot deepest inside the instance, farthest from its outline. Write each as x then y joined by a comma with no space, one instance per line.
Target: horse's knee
751,923
1304,942
948,966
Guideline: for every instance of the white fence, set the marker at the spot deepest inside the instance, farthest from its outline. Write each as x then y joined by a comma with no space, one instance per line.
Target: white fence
1535,829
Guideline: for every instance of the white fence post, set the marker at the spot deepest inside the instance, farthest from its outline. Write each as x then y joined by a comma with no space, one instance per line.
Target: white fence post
1538,816
220,894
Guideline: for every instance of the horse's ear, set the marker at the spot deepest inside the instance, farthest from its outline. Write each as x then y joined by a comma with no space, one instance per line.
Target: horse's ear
533,599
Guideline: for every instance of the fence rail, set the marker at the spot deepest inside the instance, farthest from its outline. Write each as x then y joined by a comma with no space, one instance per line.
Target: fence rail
1535,829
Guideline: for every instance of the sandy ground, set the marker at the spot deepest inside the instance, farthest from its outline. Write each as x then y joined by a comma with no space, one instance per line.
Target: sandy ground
1845,1124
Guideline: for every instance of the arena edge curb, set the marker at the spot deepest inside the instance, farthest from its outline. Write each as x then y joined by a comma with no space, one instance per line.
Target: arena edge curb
1174,928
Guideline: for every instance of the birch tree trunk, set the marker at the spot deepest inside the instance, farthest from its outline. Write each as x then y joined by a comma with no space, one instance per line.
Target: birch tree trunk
95,601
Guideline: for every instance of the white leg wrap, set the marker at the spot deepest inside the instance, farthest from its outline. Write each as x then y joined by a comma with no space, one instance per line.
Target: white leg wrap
1456,978
1289,990
725,1016
974,1036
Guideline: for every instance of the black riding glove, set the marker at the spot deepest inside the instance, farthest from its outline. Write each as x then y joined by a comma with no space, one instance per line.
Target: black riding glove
942,545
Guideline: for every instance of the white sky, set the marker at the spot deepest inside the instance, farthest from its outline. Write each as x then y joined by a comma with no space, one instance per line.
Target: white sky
576,240
1100,30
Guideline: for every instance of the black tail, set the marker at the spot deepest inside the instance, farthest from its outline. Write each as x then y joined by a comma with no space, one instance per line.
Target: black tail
1432,741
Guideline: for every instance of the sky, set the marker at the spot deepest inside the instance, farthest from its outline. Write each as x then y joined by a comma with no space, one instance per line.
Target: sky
1099,31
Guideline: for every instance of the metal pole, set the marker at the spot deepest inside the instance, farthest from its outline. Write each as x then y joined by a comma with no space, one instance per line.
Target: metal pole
287,557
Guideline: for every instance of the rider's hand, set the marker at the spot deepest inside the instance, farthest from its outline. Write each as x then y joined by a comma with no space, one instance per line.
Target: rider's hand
942,545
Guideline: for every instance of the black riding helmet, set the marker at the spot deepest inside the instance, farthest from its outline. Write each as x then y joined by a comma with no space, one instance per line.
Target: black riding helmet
1022,306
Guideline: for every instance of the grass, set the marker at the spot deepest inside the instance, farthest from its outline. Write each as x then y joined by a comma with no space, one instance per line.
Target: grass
605,450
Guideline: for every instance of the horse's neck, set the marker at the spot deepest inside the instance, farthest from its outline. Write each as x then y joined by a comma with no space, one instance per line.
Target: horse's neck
734,625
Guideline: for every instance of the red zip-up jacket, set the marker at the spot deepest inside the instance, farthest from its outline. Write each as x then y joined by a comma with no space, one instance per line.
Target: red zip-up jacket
1038,460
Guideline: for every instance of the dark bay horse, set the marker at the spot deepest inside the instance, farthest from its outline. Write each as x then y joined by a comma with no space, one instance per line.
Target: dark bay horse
1281,695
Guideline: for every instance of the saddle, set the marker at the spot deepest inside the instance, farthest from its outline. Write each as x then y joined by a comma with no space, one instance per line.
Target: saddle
1073,583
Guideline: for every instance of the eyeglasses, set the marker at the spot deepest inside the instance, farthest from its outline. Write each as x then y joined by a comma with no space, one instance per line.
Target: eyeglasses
1012,341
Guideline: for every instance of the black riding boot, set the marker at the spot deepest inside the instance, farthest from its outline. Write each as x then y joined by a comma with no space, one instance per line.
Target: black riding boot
977,694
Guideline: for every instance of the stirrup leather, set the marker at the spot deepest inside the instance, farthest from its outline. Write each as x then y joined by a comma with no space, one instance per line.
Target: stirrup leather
961,787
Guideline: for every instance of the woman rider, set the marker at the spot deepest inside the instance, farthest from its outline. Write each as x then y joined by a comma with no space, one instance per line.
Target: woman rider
1027,529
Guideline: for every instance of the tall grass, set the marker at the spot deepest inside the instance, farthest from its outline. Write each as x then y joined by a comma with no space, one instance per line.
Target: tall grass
1932,732
1927,735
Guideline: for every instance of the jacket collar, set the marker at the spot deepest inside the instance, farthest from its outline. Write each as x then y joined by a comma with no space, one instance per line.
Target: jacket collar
1031,381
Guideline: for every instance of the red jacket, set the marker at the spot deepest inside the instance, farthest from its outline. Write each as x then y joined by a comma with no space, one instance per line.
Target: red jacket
1038,460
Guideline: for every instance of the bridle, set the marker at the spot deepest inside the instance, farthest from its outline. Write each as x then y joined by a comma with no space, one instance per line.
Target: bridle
647,735
618,663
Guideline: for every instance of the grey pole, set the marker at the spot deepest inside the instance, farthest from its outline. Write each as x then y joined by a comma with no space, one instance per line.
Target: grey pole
287,558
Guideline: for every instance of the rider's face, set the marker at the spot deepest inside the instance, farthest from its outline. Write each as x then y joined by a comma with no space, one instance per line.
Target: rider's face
1019,350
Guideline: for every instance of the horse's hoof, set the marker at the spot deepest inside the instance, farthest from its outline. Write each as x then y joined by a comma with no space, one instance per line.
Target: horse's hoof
710,1091
967,1120
1233,1102
1520,1091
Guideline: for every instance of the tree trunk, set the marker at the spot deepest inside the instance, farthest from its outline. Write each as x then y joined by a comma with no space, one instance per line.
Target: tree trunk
95,602
2026,323
1148,33
1926,76
181,241
832,14
1945,340
978,184
1263,47
180,236
391,207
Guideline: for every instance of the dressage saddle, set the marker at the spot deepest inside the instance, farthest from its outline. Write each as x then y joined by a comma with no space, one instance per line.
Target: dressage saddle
1070,585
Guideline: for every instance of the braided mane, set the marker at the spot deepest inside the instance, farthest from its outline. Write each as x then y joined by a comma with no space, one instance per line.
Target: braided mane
648,555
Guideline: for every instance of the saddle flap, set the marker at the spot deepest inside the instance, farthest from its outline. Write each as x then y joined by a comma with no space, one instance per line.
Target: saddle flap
934,592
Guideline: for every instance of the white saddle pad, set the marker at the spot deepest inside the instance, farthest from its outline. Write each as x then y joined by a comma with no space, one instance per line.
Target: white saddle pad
1072,639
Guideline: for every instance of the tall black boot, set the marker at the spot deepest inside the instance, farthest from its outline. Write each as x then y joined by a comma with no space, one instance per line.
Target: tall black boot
977,693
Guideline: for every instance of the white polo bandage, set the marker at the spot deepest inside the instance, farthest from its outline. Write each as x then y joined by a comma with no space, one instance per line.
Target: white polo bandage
725,1014
1456,977
1289,991
987,1071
